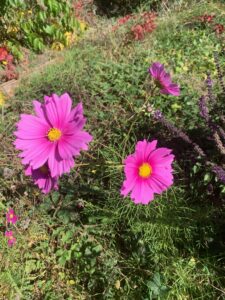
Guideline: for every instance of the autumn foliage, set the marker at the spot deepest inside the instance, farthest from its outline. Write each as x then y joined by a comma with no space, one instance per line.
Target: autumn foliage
139,25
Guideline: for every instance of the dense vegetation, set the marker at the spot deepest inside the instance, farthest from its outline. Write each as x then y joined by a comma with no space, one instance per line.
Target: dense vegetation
85,241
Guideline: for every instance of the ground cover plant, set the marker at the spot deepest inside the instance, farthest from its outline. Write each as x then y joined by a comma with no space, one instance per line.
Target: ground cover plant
85,240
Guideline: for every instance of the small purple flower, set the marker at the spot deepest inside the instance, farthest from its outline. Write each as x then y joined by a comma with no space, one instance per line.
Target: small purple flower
11,217
219,71
163,80
209,85
209,81
157,114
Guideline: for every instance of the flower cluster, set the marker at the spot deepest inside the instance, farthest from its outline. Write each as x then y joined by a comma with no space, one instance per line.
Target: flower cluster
208,20
148,170
207,108
50,139
147,26
122,21
145,23
11,218
6,59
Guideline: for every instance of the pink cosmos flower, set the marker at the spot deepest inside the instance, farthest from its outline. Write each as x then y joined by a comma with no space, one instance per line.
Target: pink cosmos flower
42,178
53,136
163,80
10,237
147,171
11,217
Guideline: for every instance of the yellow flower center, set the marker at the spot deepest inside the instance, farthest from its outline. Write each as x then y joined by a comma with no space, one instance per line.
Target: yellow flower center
54,134
44,169
145,170
11,216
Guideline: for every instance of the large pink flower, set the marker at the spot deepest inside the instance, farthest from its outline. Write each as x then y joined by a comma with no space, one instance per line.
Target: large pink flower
147,171
42,178
53,136
163,80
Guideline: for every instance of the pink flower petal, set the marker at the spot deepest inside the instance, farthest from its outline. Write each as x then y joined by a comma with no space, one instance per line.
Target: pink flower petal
39,155
30,127
64,107
76,112
52,113
143,149
142,193
156,69
159,153
128,185
40,111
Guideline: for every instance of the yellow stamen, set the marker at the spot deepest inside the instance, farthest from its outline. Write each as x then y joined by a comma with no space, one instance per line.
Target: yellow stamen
44,169
54,134
11,216
145,170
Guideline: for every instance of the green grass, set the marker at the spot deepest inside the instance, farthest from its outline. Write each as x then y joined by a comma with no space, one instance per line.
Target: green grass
86,242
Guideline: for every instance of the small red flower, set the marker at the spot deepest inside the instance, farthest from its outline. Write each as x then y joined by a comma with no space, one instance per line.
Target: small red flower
146,24
218,28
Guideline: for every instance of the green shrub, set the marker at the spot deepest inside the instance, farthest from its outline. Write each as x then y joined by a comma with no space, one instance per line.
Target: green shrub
36,23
